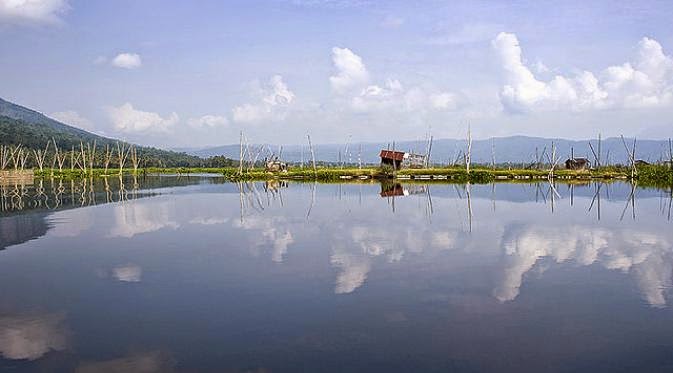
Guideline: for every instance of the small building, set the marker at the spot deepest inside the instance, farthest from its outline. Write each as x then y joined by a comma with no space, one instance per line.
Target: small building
275,165
392,158
412,160
577,164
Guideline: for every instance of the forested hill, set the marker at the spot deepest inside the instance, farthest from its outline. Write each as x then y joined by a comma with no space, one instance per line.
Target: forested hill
31,129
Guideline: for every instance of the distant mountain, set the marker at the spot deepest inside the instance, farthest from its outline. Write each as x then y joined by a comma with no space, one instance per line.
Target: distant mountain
20,125
514,149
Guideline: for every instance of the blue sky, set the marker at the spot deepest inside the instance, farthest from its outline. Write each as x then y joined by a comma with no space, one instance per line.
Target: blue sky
195,73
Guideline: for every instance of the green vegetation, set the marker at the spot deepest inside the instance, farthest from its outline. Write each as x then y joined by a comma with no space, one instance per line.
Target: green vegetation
647,175
34,136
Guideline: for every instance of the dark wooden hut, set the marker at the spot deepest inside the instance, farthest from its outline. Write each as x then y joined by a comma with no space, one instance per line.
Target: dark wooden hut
577,164
392,158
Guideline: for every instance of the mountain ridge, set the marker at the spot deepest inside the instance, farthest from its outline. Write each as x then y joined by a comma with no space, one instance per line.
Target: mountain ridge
508,149
32,129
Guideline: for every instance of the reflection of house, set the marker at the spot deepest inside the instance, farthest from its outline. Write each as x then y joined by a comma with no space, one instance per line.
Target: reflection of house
392,190
397,189
577,164
392,158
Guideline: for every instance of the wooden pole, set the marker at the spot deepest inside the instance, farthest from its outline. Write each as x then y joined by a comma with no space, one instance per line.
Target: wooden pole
394,164
631,155
670,153
468,157
599,163
427,157
493,153
240,156
360,157
310,145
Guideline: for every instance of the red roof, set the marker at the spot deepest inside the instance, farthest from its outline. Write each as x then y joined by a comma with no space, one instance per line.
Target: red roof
390,154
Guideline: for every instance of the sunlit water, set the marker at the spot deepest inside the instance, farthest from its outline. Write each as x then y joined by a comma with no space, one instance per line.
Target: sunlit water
194,274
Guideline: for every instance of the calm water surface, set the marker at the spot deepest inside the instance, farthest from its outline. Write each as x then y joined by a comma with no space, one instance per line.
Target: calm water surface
194,274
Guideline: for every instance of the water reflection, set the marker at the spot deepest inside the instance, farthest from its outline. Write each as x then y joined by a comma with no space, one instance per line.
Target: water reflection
32,336
648,256
206,275
149,362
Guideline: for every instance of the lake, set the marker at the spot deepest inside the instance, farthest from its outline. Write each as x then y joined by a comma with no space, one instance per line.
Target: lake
194,274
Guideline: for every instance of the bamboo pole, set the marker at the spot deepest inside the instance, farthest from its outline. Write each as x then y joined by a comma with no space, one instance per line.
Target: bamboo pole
631,155
134,159
92,156
360,157
240,156
4,157
315,171
493,153
59,158
427,156
15,156
40,156
468,156
670,153
599,151
107,158
122,156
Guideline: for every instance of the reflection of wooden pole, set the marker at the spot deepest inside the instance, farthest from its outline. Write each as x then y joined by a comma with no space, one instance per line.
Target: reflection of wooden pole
469,205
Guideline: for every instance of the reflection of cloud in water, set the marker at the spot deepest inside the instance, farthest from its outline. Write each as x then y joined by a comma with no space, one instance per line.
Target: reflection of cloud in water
132,218
647,256
150,362
30,337
353,271
127,273
377,239
272,231
208,221
71,223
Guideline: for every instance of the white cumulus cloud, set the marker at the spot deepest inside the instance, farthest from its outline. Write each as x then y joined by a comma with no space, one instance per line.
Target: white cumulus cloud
72,118
211,121
351,83
647,82
351,71
126,118
33,11
127,61
272,101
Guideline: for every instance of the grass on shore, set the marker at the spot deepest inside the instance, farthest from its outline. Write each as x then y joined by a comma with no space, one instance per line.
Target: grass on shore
650,174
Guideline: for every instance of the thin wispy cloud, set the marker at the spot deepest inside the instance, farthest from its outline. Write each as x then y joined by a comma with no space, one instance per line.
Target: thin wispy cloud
33,11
